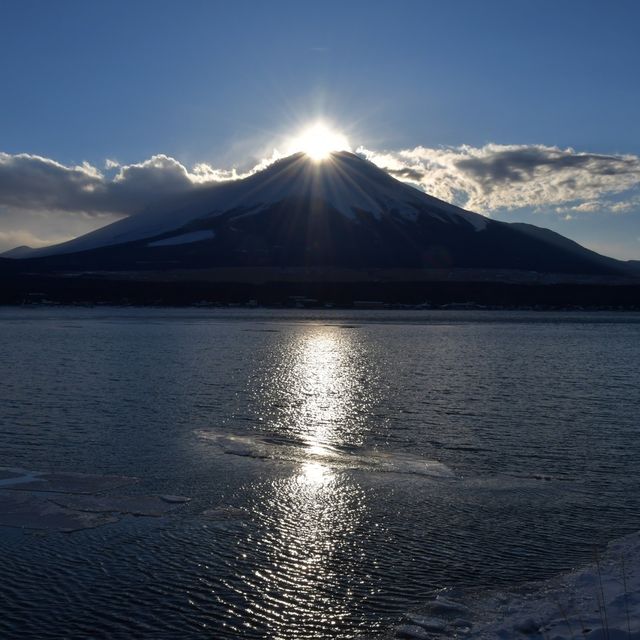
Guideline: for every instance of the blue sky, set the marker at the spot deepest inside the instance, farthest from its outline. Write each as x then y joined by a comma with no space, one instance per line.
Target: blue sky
221,84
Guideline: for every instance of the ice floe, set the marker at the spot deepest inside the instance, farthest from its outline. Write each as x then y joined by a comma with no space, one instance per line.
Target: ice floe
153,506
29,511
23,480
69,502
374,460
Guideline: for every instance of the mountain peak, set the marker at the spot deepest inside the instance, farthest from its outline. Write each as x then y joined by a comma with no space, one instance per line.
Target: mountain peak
342,211
344,181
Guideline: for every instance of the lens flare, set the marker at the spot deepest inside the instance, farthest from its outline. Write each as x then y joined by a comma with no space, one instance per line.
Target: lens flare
318,142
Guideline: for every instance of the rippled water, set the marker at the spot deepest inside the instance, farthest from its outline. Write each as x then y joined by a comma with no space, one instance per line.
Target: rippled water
342,465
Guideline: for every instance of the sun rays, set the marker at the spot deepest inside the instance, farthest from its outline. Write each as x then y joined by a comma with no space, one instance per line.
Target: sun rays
318,141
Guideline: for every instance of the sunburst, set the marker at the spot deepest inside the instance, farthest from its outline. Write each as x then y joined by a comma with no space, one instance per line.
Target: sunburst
318,141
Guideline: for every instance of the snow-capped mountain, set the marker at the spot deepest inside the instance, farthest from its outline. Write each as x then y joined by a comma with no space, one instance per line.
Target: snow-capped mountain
343,212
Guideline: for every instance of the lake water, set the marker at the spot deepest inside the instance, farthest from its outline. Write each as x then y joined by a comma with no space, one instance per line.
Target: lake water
342,465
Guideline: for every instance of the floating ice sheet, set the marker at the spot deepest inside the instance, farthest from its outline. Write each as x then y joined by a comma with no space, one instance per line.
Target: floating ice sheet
24,480
29,511
255,446
153,506
68,502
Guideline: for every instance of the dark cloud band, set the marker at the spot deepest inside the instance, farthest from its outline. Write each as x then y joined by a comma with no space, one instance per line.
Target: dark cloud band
32,182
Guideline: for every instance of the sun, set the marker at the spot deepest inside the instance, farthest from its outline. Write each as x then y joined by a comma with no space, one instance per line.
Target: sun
318,142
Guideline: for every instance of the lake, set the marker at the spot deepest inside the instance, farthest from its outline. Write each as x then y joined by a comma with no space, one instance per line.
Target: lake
341,465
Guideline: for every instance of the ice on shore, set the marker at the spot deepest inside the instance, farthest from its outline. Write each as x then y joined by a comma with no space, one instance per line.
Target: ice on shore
600,601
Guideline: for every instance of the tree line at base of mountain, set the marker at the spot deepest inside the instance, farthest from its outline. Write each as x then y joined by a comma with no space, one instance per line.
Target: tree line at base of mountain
24,289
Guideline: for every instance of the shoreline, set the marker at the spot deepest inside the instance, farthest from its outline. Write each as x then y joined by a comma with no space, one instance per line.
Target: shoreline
251,305
596,601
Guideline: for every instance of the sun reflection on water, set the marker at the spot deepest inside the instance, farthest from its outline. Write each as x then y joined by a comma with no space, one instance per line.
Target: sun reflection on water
321,391
316,473
308,521
309,546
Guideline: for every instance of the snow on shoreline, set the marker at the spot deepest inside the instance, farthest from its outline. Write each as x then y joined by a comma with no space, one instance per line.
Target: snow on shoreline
600,601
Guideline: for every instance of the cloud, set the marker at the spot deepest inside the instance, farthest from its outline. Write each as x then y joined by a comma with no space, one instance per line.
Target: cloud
495,177
489,178
624,206
31,182
589,206
44,201
407,173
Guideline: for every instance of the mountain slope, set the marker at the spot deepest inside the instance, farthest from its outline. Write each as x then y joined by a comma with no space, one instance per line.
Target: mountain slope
344,212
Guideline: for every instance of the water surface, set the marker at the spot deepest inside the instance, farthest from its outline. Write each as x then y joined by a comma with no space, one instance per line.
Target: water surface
342,465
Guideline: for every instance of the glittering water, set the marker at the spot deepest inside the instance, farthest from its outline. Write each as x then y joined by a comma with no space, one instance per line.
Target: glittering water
341,465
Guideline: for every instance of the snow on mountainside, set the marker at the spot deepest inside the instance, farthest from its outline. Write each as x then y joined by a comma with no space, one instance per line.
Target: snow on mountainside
346,182
344,212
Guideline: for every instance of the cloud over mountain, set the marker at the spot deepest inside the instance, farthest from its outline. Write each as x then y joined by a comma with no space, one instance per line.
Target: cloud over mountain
497,176
47,201
32,182
481,178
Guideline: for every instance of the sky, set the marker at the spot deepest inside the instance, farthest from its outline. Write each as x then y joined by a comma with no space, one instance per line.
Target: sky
524,111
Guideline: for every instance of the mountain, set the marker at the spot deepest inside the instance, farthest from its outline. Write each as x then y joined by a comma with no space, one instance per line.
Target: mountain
344,212
634,265
23,251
